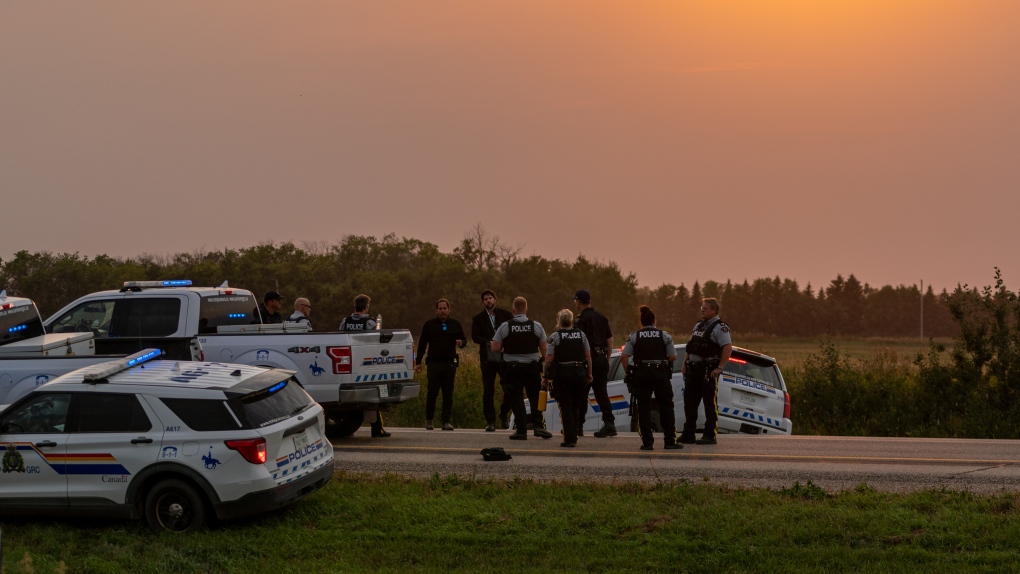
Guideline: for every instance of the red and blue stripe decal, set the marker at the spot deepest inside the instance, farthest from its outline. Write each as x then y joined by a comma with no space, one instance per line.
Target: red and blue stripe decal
103,463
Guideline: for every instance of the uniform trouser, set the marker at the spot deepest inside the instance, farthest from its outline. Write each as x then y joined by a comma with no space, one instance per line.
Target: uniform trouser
569,391
377,423
489,371
599,384
518,379
645,385
440,377
700,386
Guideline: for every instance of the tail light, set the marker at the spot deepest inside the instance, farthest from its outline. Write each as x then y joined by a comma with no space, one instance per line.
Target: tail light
342,360
786,405
253,450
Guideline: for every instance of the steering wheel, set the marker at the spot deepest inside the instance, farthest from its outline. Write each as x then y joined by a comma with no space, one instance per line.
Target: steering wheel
8,429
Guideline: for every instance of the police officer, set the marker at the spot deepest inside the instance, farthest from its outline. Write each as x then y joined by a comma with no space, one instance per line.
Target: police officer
483,328
359,320
440,338
595,327
568,365
706,355
653,353
302,310
269,310
523,344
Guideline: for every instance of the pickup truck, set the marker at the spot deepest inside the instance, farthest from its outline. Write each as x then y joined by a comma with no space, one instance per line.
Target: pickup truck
30,357
345,372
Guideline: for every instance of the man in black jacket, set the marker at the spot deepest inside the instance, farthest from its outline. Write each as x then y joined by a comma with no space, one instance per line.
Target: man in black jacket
440,338
269,310
483,327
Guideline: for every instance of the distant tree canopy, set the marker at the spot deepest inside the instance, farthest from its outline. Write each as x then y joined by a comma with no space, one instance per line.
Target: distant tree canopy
404,277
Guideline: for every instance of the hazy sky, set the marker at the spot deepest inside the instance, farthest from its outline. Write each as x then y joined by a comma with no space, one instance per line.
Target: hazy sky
684,140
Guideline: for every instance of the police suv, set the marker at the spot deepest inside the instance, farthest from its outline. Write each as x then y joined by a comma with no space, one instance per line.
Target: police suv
752,398
347,372
175,443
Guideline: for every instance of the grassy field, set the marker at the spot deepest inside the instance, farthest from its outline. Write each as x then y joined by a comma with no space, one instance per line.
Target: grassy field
791,353
362,524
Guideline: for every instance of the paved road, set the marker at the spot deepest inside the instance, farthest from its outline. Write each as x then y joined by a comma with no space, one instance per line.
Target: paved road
834,463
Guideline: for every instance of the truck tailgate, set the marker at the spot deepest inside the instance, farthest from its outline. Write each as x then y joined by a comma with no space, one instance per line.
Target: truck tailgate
382,356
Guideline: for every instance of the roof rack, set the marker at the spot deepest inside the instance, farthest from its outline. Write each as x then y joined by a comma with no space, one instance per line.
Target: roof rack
102,372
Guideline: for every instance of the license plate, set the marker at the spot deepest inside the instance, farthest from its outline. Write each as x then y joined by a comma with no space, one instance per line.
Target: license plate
384,391
300,441
747,399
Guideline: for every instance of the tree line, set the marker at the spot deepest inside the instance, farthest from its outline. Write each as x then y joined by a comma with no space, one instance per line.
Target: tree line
404,277
971,390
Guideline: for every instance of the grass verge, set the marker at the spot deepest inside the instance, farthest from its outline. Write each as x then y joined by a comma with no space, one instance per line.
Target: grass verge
450,524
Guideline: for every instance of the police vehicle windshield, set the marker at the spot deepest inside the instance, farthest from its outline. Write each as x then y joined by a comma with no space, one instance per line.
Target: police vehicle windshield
219,310
19,323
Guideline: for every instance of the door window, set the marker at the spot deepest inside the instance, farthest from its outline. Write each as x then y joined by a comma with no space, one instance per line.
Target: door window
151,318
43,413
89,317
106,412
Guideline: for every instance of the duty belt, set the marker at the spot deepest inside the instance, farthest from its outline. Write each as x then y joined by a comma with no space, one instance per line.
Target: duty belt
704,362
572,364
653,363
600,350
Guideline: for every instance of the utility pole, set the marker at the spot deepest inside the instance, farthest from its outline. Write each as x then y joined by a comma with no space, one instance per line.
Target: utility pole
922,309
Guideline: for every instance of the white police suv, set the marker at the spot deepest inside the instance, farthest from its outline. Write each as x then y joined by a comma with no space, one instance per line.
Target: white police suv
752,398
173,442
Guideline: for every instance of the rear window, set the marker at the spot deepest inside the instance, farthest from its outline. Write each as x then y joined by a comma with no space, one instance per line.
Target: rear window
219,310
19,323
754,368
274,404
204,414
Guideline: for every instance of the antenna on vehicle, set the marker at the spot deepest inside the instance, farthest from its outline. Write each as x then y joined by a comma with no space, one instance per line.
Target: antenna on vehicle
224,286
3,294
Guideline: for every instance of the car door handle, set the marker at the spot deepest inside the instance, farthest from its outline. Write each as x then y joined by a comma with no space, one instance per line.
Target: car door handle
141,440
45,443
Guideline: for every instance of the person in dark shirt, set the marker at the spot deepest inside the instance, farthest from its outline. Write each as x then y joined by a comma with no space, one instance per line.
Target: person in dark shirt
596,328
269,310
483,328
440,338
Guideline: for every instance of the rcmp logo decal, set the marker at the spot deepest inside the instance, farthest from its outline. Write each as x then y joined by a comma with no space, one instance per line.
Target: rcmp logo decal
13,461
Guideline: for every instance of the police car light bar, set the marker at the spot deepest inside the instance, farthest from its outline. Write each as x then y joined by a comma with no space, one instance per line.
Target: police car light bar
112,368
167,283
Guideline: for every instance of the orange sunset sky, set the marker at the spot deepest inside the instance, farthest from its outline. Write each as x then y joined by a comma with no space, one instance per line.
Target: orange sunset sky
791,137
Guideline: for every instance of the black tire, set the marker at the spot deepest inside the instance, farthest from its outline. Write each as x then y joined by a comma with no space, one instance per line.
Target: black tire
175,505
344,423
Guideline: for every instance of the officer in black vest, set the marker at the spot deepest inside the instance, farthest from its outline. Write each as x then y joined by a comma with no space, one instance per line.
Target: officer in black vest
568,365
600,336
523,344
653,353
361,321
706,354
